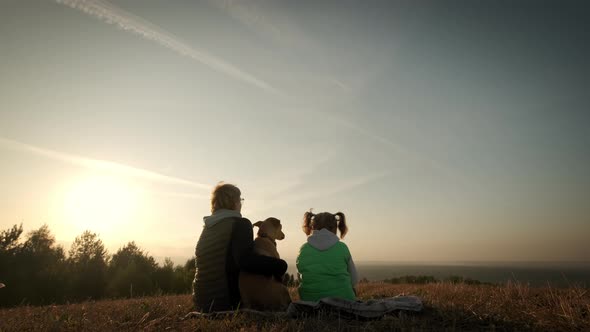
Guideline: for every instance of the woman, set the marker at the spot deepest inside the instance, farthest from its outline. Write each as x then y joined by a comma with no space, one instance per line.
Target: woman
225,248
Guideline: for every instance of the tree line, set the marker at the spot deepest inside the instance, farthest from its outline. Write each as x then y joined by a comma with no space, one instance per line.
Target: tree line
35,270
421,280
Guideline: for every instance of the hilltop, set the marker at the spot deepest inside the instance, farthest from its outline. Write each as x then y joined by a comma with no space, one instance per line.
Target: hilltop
450,307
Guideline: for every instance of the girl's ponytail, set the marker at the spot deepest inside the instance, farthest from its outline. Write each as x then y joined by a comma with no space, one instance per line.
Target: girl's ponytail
307,216
341,220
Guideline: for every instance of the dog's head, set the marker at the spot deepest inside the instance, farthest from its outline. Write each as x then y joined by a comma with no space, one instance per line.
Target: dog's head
270,228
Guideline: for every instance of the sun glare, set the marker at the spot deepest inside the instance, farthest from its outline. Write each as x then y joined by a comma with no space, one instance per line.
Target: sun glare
101,204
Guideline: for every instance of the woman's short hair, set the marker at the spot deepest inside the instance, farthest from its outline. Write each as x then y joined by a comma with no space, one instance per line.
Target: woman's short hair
225,196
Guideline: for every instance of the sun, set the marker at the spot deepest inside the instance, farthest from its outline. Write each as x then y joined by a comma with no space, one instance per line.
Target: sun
102,204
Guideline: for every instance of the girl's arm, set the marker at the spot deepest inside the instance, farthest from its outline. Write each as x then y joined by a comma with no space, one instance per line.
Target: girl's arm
354,277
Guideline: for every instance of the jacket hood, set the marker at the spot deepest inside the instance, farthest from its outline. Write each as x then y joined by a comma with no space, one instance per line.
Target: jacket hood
219,215
322,239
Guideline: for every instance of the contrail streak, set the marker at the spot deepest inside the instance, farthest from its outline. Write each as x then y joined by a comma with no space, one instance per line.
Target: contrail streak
127,21
343,186
111,14
98,164
180,194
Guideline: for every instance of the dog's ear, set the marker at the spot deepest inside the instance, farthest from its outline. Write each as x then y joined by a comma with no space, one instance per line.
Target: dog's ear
274,221
257,224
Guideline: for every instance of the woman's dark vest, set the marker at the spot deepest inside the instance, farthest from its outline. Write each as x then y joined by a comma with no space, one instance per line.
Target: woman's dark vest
211,287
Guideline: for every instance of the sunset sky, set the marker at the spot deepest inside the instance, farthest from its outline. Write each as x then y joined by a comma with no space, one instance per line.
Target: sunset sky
444,130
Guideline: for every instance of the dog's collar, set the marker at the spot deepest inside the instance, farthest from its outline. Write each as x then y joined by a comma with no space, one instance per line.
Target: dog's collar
266,237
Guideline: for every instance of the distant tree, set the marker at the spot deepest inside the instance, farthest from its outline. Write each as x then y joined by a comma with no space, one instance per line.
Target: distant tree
455,279
181,284
10,250
191,268
410,279
470,281
164,277
87,267
87,247
131,272
40,241
41,269
10,246
290,280
463,280
9,240
188,275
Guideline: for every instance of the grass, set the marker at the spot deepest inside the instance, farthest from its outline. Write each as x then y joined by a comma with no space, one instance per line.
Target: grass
447,307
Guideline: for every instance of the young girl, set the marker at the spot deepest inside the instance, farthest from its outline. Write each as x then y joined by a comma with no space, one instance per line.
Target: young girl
324,263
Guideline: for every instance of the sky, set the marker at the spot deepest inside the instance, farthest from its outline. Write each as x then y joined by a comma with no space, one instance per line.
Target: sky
445,131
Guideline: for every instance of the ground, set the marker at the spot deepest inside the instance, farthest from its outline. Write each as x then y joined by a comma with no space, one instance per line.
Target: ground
447,307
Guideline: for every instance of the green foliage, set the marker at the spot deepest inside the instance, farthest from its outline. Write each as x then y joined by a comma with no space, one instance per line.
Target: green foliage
422,280
33,271
131,272
462,280
36,270
412,280
44,263
187,276
86,248
9,239
10,249
87,267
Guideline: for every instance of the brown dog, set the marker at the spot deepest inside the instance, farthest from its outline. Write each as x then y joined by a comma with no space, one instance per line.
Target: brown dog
258,291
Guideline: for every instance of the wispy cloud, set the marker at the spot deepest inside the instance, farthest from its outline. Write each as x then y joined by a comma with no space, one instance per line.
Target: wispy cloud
273,24
111,14
250,16
342,186
180,195
340,84
280,28
293,176
101,165
330,115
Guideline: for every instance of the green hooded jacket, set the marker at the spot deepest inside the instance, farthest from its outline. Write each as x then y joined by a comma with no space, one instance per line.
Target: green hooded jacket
326,268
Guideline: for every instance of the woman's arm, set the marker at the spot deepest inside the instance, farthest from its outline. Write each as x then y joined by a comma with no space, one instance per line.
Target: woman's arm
242,251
